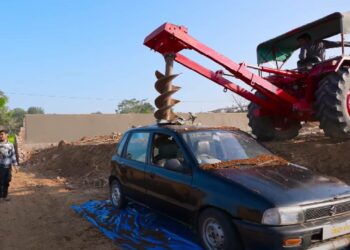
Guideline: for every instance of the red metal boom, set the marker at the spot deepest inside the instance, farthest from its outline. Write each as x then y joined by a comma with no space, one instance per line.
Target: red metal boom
171,39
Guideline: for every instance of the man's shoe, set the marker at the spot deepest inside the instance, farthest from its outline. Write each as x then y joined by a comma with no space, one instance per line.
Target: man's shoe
6,199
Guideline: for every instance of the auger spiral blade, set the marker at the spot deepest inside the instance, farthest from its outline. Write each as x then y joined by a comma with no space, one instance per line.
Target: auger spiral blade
164,102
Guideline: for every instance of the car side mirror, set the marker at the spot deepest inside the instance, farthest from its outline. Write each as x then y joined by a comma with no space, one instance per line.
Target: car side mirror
174,164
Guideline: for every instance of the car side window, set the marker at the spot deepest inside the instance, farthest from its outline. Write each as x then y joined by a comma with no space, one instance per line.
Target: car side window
137,146
164,147
121,145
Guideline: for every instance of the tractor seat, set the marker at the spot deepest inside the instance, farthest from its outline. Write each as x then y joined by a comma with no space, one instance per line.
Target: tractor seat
308,64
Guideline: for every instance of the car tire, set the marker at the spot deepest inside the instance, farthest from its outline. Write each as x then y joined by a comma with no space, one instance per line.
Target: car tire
116,195
217,232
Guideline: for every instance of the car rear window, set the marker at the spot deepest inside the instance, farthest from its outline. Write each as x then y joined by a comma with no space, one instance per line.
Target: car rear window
121,145
137,146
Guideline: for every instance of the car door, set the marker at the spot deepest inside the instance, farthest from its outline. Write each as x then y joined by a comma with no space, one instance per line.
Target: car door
167,190
132,165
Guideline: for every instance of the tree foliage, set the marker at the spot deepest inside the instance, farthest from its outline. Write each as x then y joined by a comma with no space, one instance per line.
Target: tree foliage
3,99
4,116
134,106
13,119
35,110
16,119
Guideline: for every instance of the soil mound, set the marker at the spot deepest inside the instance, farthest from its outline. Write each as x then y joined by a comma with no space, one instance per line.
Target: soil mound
83,162
317,152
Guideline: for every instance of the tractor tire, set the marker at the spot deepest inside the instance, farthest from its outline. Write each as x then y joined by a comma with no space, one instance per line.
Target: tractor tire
333,104
264,129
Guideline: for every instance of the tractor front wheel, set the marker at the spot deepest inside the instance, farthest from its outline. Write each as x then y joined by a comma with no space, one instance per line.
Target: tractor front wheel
333,104
267,128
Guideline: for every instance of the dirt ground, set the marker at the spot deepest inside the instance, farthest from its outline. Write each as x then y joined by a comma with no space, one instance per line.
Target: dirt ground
39,215
317,152
51,180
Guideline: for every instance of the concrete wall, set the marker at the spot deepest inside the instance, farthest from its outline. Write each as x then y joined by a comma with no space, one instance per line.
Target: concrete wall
53,128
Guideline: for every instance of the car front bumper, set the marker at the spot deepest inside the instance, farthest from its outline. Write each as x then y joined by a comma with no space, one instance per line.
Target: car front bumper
261,237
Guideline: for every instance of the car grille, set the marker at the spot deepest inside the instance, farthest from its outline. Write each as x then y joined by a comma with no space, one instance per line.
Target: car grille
327,211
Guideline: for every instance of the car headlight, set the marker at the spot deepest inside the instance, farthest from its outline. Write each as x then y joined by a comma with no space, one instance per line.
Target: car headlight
283,216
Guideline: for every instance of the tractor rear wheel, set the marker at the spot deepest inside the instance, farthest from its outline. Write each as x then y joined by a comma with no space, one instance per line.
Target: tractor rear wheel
265,128
333,104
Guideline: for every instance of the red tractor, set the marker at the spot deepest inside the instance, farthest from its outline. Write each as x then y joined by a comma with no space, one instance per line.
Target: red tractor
316,91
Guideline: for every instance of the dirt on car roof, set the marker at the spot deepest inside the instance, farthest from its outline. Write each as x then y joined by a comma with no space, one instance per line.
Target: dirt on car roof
188,128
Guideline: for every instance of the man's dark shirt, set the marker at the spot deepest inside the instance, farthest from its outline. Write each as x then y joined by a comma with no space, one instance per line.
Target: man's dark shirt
317,49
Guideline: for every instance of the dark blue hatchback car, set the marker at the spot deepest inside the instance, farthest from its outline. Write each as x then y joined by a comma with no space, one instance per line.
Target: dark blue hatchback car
234,192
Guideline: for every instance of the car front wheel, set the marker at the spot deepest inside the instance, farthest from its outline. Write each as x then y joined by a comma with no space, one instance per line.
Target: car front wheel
116,195
217,232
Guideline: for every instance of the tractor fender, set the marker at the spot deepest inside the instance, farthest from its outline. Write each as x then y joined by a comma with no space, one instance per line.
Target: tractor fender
329,66
345,61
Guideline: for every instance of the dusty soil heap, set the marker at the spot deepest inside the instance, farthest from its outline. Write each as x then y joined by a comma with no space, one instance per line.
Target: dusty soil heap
85,162
317,152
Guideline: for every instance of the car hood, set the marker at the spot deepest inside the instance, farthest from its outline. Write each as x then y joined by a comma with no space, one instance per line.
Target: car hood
286,184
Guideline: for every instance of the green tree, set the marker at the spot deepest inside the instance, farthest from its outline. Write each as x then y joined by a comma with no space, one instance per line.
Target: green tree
4,115
35,110
16,119
134,106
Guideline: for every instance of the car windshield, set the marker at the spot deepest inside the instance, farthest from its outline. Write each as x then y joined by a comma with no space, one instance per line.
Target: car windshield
210,147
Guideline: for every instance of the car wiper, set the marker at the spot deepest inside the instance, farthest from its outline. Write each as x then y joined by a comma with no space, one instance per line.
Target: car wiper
267,162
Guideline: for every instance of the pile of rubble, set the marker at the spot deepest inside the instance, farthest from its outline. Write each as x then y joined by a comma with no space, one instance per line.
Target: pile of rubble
84,162
317,152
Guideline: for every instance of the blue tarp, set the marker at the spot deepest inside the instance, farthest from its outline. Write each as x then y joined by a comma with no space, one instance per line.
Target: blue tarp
137,227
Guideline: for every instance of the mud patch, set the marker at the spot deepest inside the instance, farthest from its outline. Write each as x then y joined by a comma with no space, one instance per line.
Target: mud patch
261,160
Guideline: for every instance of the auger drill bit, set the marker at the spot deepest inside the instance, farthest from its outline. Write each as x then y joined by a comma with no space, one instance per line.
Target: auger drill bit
164,86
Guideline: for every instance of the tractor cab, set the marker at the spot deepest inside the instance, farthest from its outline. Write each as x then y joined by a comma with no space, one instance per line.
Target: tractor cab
279,49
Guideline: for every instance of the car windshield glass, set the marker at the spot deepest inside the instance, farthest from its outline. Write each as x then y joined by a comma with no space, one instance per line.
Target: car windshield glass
216,146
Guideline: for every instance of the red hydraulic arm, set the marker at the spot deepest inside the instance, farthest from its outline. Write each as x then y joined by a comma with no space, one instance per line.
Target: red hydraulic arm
171,39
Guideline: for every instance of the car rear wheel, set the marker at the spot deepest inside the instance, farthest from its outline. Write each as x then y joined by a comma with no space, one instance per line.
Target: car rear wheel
116,195
217,232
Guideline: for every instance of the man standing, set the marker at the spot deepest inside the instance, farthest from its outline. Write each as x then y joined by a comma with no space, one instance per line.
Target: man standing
7,160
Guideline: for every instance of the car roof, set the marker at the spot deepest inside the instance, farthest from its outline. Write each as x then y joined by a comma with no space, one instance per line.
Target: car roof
183,128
